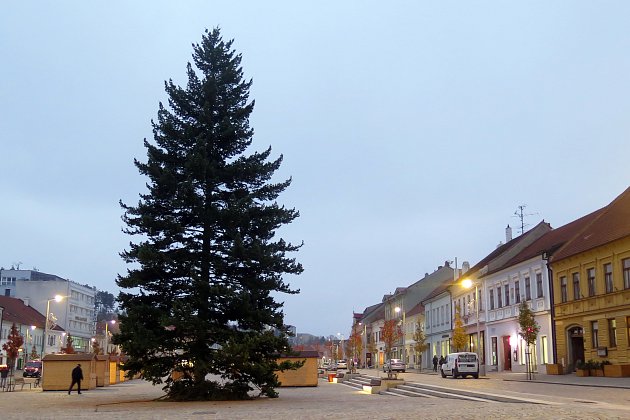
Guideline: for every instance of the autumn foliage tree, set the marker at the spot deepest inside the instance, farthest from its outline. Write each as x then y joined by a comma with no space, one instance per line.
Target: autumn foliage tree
356,345
460,338
390,333
421,344
69,347
529,328
13,345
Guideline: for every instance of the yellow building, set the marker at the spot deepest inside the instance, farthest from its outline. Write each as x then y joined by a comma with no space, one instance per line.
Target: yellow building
591,289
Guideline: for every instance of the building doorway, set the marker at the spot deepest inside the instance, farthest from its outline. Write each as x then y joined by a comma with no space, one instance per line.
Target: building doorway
576,346
507,353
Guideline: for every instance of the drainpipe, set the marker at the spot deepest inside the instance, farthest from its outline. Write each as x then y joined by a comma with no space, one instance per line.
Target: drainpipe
552,308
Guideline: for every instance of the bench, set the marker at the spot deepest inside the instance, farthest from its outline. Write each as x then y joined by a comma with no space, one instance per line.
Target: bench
12,383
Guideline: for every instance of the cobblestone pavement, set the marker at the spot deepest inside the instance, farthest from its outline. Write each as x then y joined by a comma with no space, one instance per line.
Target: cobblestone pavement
136,400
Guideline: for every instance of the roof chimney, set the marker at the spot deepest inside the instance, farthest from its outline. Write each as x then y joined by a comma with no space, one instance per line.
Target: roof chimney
465,266
508,234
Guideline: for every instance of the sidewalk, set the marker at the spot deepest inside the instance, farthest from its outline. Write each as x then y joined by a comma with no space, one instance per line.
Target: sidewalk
569,380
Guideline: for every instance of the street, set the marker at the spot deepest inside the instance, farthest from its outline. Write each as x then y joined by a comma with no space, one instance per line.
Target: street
136,400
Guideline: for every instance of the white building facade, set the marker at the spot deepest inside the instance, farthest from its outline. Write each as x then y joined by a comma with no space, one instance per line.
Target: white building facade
75,313
438,326
524,282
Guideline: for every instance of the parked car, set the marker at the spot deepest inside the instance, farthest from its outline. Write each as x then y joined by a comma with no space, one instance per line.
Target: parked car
394,365
331,366
342,364
461,364
33,369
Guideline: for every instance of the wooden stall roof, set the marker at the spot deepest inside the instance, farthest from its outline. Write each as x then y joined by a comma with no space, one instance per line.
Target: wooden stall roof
72,357
301,354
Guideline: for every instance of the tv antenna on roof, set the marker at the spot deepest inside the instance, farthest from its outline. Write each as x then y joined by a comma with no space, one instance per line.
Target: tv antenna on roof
520,213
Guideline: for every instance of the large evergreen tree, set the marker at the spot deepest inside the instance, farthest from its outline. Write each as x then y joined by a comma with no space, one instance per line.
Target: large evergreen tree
200,296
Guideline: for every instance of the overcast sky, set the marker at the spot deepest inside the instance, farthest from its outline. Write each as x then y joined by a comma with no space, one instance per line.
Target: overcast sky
412,130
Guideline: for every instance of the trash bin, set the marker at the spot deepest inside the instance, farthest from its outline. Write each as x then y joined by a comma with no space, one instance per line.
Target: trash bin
331,377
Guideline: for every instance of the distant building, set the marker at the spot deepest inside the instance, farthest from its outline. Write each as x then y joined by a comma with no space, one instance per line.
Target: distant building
30,324
75,313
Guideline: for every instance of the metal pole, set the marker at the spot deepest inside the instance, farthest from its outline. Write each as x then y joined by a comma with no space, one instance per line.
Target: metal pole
481,371
403,340
45,327
106,337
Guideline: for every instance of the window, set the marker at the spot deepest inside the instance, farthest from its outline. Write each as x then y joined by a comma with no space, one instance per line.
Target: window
576,286
539,285
612,332
528,289
608,279
594,333
468,308
507,294
479,299
517,291
494,352
590,279
626,273
491,298
499,302
563,289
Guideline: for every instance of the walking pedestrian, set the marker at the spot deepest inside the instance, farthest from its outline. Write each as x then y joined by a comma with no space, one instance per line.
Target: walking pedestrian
435,362
77,377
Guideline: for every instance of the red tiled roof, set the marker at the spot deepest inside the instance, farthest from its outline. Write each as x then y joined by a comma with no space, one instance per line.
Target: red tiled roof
418,309
552,240
609,224
440,289
15,311
497,252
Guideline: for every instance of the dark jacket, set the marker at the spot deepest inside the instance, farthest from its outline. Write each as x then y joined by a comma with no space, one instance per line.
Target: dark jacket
77,374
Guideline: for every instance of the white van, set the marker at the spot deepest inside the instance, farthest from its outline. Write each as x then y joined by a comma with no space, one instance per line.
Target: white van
461,364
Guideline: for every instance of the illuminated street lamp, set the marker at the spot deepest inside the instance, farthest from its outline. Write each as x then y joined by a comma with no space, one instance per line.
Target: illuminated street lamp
57,298
468,283
113,321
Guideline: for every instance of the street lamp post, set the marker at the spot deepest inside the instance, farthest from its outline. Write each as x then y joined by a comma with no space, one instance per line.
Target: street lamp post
113,321
57,298
398,309
26,348
467,283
